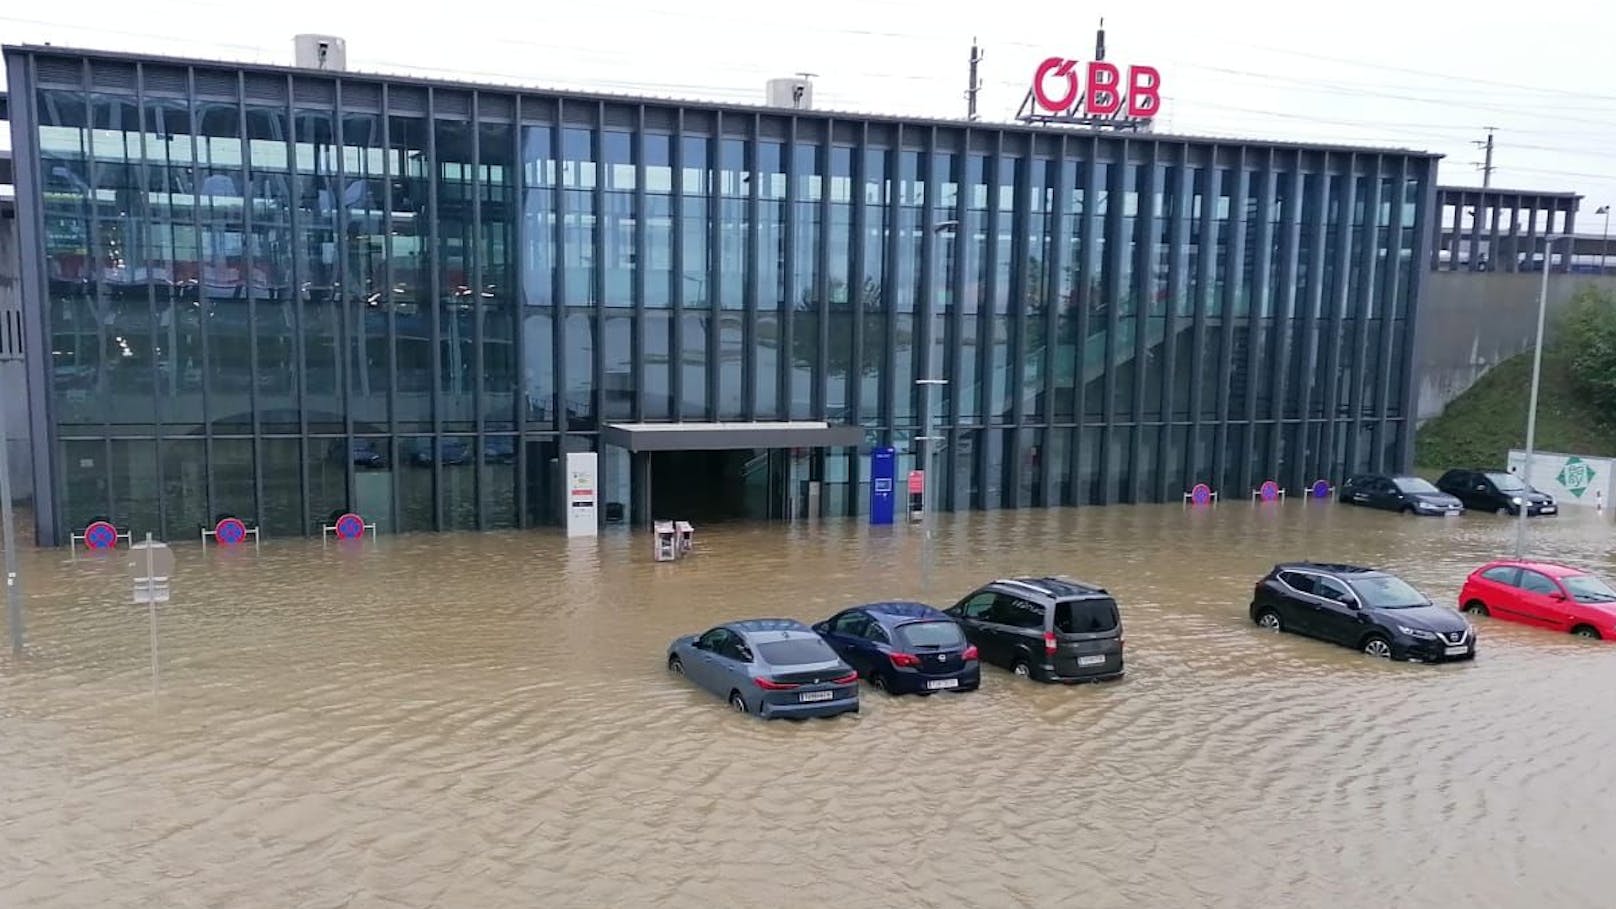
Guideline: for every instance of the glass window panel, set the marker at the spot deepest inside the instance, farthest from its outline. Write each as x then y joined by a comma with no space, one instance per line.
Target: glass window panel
658,221
771,251
319,278
185,488
618,362
768,366
656,363
496,297
620,257
578,246
580,360
415,485
280,460
1029,473
903,369
733,223
328,460
171,256
134,486
456,461
731,350
873,354
693,367
363,258
226,328
271,250
457,337
538,367
497,474
233,487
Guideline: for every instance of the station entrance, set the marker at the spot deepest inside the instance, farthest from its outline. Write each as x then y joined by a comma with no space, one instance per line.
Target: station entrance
709,473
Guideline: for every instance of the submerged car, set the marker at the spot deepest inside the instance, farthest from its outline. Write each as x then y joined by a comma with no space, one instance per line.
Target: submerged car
1045,629
1544,595
769,668
1362,608
1409,495
1496,491
904,648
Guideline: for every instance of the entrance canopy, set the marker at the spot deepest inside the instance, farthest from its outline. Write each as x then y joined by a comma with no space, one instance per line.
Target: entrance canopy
722,436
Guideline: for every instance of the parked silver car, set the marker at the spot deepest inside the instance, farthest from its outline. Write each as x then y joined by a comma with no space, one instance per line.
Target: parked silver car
768,667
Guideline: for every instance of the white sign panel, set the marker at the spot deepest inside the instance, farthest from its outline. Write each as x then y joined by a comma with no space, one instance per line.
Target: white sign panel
583,494
1571,479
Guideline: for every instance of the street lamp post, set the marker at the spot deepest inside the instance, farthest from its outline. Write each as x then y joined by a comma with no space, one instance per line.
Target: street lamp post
1531,404
929,381
1604,238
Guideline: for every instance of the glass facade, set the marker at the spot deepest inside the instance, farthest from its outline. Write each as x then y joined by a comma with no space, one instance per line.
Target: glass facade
280,294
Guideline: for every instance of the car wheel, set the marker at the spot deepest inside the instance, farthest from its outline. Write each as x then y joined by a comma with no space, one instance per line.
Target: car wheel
1378,647
1585,631
1501,512
1407,509
737,703
1269,620
1476,607
880,682
1022,668
676,665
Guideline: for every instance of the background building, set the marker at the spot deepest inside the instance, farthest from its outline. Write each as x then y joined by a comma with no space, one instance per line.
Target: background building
280,292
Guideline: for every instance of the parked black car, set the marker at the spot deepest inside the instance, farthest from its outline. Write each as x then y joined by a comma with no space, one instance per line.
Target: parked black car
1047,629
1409,495
904,648
1361,608
1496,491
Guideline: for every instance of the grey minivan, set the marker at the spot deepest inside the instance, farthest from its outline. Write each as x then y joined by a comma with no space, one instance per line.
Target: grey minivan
1047,629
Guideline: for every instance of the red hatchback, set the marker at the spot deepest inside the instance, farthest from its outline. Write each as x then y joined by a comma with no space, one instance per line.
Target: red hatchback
1542,594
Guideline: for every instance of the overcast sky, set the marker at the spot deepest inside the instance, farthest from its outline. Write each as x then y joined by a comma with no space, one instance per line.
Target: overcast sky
1370,72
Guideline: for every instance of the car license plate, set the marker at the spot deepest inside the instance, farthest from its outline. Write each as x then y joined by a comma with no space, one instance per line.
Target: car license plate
1453,514
1457,651
935,684
1548,509
1091,660
817,695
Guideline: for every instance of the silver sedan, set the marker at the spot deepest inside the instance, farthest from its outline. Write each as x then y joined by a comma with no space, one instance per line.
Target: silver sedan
769,668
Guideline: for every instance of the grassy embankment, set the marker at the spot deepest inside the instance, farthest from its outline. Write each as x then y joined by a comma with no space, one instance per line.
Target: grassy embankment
1480,426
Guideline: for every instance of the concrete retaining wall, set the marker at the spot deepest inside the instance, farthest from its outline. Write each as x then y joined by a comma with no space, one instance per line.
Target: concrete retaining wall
1470,322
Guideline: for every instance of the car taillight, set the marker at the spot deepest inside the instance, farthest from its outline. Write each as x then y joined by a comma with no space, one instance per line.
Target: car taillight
905,659
848,679
970,653
1049,643
1121,643
772,685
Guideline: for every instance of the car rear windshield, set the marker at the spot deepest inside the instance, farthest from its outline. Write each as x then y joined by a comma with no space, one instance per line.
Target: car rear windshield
1415,485
1085,616
931,634
1382,591
795,652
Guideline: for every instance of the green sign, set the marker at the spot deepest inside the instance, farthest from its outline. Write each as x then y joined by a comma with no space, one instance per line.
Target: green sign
1576,476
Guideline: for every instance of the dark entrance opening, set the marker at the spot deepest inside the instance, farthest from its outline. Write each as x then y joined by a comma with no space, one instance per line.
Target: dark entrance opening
706,487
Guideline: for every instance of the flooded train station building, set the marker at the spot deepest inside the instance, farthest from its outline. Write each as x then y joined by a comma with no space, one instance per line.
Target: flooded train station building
283,293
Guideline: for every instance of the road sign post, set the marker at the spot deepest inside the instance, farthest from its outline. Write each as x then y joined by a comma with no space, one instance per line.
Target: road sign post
150,567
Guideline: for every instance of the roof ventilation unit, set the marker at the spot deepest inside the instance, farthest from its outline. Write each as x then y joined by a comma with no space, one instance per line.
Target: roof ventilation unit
796,92
320,52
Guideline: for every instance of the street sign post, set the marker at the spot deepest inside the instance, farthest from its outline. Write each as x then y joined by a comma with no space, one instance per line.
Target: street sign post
151,565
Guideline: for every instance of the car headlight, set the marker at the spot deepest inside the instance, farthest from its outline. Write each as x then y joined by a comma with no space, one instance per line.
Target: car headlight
1418,634
1516,500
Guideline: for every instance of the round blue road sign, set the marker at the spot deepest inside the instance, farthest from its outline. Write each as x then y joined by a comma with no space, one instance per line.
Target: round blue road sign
350,527
230,531
1321,489
100,535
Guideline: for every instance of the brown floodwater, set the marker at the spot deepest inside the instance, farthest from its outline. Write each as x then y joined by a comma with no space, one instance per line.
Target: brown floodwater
485,721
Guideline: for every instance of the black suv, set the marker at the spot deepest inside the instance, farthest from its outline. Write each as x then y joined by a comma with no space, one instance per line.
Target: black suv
1048,629
1361,608
1495,491
1409,495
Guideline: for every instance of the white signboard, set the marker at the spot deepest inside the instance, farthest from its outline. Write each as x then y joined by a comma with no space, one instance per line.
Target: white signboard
583,494
1571,479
